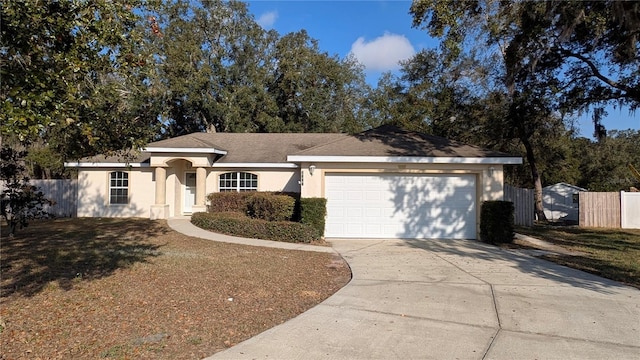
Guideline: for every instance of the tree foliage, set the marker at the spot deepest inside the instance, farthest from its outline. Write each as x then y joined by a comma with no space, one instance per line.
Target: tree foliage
74,71
90,77
212,63
20,201
587,53
604,165
315,92
222,72
557,58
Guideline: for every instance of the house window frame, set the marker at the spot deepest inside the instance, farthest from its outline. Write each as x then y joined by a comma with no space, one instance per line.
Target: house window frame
121,183
238,182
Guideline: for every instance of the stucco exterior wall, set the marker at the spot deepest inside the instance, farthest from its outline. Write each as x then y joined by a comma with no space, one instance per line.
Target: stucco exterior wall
489,178
93,197
268,180
93,193
161,159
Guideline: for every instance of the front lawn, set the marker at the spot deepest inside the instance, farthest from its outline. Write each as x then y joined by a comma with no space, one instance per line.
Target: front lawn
610,253
134,288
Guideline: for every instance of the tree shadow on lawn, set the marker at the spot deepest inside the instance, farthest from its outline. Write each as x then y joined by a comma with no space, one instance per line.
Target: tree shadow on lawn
609,239
67,251
473,249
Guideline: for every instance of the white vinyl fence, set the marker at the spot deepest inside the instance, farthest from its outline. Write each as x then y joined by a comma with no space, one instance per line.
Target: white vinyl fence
630,210
63,194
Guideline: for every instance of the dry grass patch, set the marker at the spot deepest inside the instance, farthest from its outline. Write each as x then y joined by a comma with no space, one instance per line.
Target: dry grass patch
123,288
610,253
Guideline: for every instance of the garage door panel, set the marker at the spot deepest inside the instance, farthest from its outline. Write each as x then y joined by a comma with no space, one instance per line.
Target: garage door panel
353,213
401,206
373,212
372,195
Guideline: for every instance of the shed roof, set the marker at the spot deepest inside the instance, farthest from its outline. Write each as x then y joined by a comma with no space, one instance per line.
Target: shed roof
560,185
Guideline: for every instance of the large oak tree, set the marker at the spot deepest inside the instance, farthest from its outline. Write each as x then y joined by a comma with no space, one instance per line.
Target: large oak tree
557,58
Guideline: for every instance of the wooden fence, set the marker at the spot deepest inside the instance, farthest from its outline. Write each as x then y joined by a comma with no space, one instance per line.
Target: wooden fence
599,209
63,193
522,200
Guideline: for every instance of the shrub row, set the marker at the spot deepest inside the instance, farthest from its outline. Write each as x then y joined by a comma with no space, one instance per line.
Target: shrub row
313,212
270,207
238,224
228,201
496,222
261,205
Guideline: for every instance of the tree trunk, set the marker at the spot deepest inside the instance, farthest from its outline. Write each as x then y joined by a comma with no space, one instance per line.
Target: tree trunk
537,180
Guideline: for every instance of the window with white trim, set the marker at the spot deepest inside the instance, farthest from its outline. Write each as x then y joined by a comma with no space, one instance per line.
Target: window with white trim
238,181
118,187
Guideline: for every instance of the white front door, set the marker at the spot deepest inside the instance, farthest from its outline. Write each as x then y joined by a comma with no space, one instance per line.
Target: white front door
189,192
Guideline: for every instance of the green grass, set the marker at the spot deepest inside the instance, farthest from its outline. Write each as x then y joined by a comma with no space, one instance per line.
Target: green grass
610,253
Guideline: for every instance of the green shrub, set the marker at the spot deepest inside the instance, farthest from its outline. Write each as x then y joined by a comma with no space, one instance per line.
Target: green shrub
313,212
496,222
296,207
238,224
228,201
270,207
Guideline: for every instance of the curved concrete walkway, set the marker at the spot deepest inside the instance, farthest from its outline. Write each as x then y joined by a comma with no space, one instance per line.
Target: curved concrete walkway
456,299
184,225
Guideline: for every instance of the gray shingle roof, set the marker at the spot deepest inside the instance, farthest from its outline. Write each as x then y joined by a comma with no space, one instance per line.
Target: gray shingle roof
393,141
131,157
250,147
275,147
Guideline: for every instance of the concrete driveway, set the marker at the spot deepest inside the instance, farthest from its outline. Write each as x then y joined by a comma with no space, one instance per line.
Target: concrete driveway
456,300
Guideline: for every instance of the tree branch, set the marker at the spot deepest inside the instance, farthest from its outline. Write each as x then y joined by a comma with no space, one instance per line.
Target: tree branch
596,72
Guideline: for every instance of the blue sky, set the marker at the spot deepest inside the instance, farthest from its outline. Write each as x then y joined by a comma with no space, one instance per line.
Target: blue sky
379,34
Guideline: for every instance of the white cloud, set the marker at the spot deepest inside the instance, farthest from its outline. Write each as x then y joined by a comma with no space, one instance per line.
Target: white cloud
267,19
383,53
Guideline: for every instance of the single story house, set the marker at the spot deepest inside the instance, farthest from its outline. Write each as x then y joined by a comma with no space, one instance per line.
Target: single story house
381,183
560,201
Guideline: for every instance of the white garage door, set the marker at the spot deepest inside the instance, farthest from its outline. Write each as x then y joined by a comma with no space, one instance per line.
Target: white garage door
401,206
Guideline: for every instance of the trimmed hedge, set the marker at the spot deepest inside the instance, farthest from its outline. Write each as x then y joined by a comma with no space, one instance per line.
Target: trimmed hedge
496,222
270,207
228,201
238,224
313,212
296,206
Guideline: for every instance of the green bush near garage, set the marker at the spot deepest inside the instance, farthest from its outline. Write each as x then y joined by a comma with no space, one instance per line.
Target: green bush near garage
239,224
270,206
287,212
228,202
313,212
496,222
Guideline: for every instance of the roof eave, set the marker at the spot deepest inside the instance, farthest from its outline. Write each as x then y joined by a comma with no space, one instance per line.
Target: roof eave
255,165
78,164
184,150
407,159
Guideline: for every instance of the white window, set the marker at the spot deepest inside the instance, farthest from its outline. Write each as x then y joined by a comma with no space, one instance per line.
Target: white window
238,181
118,187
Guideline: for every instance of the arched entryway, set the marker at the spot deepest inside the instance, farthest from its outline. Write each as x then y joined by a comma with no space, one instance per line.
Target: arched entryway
180,188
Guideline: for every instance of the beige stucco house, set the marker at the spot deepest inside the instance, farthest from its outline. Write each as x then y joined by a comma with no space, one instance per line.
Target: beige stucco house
382,183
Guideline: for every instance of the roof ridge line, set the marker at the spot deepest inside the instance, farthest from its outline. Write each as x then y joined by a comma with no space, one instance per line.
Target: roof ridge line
342,137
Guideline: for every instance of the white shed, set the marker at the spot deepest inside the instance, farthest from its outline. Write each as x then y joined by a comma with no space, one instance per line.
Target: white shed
560,201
